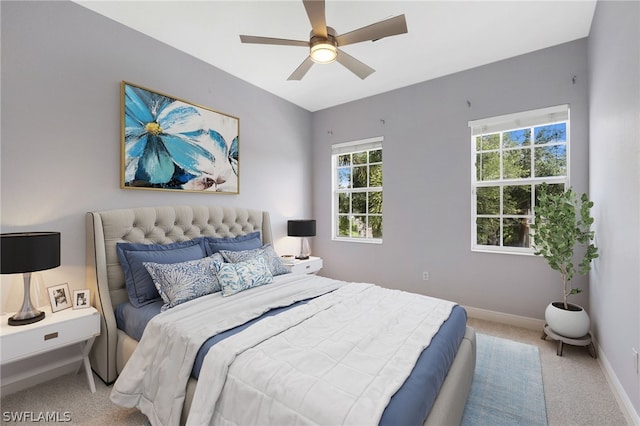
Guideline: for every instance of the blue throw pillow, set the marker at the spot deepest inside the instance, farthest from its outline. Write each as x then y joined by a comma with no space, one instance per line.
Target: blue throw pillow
180,282
140,286
237,277
241,242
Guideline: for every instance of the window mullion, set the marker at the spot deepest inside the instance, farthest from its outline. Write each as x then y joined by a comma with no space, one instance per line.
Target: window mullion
501,154
501,215
533,156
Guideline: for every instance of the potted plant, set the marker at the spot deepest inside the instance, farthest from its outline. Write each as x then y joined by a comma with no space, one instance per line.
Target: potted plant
562,226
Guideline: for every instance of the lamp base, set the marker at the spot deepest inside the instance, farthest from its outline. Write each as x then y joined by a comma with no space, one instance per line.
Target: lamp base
26,321
304,249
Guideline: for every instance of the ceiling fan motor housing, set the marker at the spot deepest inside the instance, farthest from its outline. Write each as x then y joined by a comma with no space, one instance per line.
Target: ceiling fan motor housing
323,50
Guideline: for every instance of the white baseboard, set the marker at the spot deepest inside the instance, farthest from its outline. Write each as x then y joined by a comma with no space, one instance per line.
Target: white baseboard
25,373
8,389
502,318
618,391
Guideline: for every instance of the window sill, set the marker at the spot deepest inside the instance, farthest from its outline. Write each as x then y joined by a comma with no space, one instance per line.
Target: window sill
358,240
503,250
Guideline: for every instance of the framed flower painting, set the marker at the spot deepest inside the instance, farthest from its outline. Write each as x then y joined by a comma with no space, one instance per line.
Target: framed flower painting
171,144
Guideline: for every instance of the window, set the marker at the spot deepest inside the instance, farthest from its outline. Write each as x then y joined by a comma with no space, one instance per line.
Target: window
357,190
512,155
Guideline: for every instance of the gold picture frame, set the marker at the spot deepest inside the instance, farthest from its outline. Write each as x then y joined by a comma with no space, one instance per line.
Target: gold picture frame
170,144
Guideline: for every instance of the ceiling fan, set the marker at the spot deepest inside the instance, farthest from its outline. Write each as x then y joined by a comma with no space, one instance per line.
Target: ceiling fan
324,42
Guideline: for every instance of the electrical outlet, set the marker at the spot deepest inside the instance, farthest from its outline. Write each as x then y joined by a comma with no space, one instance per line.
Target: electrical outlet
636,361
425,276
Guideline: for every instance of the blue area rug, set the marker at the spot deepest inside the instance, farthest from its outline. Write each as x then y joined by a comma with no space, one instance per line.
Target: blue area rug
507,385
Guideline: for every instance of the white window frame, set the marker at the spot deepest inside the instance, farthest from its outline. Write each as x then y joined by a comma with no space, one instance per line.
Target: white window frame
345,148
502,124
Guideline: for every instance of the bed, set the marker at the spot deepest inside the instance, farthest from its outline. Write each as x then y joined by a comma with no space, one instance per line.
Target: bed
114,348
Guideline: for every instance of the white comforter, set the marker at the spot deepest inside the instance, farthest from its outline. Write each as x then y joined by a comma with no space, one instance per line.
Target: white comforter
335,360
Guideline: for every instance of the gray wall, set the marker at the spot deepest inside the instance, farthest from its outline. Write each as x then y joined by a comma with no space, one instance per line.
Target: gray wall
614,117
61,70
427,178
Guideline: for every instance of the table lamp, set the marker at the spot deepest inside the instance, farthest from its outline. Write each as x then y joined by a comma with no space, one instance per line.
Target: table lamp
302,228
27,252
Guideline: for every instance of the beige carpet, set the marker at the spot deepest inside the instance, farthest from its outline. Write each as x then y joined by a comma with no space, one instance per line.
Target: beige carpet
70,394
576,391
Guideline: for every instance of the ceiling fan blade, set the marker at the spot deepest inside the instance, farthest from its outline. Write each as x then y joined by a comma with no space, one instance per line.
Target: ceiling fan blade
302,69
271,40
316,14
388,27
360,69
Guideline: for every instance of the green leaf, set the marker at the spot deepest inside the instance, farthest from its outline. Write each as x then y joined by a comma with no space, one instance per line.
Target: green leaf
562,224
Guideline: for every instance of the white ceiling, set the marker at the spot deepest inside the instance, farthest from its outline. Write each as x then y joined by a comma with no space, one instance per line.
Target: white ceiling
444,37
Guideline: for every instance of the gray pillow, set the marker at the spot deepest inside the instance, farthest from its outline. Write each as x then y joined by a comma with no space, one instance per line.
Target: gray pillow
273,260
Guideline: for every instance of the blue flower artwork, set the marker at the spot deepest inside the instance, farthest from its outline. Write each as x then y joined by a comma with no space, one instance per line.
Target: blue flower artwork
170,144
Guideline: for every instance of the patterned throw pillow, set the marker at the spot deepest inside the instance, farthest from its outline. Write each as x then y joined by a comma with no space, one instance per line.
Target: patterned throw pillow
180,282
237,277
273,260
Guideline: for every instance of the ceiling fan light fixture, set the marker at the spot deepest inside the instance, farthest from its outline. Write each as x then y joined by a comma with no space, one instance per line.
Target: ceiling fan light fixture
323,52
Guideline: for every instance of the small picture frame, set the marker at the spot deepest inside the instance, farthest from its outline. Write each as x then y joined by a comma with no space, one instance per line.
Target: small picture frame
59,297
81,299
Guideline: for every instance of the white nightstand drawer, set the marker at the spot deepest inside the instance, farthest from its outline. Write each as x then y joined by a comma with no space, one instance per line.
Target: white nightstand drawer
307,266
56,330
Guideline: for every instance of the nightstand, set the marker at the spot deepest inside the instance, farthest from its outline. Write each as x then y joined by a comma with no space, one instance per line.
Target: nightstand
57,330
308,266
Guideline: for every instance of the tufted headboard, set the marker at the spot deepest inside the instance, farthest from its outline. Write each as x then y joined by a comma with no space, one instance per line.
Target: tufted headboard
159,225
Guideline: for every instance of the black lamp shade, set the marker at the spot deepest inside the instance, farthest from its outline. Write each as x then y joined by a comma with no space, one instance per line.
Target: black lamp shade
301,228
29,251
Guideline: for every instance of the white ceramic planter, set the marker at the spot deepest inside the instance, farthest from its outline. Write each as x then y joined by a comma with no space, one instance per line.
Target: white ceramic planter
572,323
